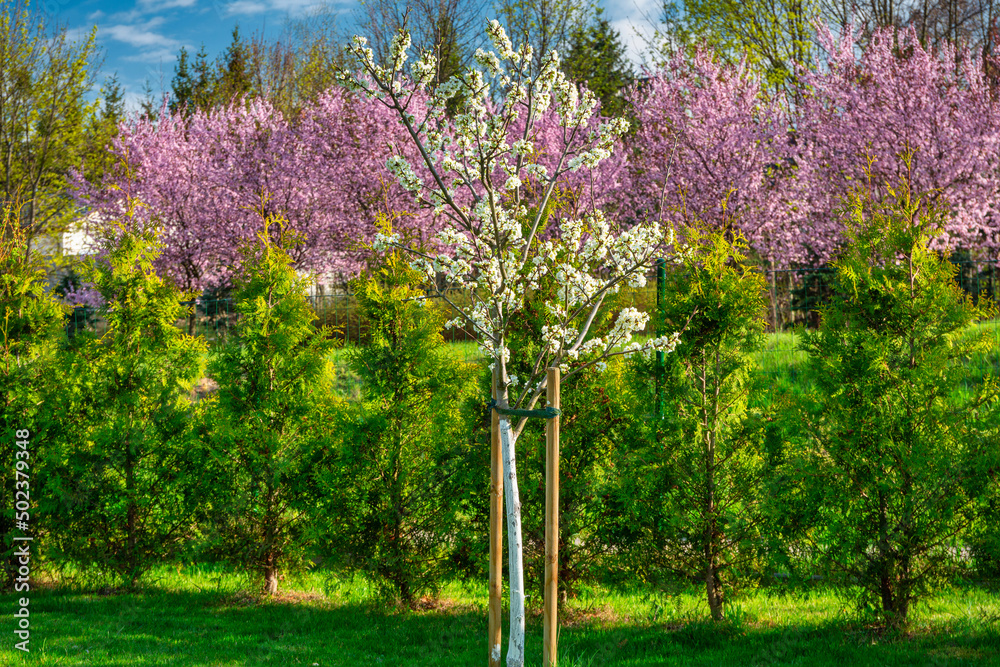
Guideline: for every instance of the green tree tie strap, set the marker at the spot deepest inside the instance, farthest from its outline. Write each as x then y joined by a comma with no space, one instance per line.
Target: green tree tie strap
545,413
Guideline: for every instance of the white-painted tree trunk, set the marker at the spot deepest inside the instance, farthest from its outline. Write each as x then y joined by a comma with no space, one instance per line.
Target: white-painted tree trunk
515,648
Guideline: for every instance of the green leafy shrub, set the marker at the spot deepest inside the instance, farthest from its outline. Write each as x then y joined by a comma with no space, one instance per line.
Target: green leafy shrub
30,332
386,509
122,489
892,467
595,428
273,374
694,497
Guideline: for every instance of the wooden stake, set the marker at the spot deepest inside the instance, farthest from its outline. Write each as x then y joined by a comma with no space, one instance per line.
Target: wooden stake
496,535
551,614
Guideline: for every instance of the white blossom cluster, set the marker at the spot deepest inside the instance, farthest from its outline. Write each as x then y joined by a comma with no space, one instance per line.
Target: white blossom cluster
383,242
493,246
402,170
424,70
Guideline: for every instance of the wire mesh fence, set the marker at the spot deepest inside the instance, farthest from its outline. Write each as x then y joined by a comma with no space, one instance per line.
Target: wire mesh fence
214,319
795,297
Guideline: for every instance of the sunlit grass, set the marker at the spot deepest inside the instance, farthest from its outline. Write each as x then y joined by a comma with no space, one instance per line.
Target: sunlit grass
205,615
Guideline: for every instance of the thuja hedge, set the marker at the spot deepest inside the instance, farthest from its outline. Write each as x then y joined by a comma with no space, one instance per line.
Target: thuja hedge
877,478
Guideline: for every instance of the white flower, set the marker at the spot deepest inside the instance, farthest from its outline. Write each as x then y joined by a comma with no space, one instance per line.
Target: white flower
401,169
424,69
500,40
521,147
384,241
485,251
489,60
400,44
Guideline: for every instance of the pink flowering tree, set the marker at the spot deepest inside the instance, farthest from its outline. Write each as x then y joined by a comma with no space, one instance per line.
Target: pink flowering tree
202,181
185,177
345,141
900,97
711,147
478,176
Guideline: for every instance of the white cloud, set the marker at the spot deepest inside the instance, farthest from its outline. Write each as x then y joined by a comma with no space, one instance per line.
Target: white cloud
293,7
160,5
243,7
140,35
133,101
161,55
635,37
78,34
635,21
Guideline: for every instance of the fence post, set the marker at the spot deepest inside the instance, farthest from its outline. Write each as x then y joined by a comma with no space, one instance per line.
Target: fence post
774,297
496,532
661,279
550,648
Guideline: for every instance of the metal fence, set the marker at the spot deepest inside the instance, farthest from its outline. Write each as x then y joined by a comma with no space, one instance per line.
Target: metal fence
794,297
215,318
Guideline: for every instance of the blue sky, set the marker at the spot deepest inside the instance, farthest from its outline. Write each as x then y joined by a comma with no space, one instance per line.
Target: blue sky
140,39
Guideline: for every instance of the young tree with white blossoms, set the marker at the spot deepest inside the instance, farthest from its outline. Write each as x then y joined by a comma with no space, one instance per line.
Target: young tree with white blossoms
499,244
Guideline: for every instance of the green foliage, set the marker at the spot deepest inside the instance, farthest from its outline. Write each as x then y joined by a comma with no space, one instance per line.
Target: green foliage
102,128
43,115
597,59
233,77
182,85
388,513
697,503
774,38
598,418
896,462
595,431
272,374
121,490
30,330
200,86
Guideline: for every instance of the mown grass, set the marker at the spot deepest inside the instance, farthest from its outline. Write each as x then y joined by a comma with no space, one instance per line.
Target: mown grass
780,363
203,616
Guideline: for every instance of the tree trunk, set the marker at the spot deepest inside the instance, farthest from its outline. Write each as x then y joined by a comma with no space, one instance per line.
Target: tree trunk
714,588
774,298
132,514
885,566
270,576
270,535
710,425
515,647
713,585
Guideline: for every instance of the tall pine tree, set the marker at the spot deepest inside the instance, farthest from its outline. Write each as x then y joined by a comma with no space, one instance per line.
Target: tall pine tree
597,59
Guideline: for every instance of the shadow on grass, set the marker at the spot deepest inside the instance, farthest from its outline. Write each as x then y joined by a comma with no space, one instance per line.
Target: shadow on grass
701,643
169,628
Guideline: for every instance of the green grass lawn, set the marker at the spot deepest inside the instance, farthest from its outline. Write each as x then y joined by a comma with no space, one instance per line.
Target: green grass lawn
202,617
780,362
